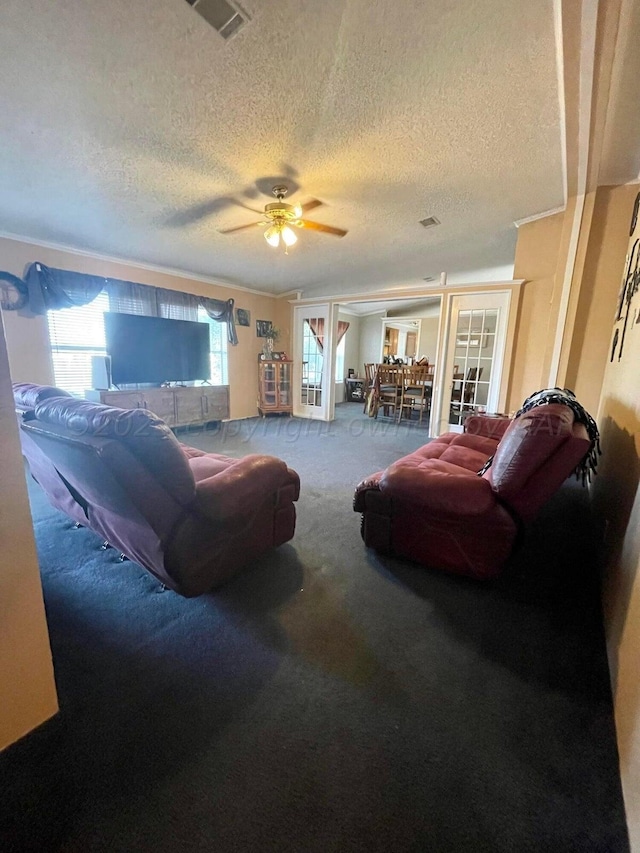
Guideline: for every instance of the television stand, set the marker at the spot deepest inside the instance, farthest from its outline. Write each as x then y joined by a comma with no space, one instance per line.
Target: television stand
177,406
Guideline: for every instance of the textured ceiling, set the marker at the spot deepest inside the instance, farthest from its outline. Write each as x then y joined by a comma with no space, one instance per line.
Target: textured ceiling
122,122
621,146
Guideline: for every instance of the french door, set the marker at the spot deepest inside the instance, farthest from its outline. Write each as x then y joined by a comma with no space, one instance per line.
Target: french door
475,355
313,362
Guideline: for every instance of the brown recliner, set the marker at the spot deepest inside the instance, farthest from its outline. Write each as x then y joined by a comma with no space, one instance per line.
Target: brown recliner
26,397
193,519
438,507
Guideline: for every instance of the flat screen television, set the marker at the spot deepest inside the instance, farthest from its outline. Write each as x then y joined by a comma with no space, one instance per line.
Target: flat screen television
156,350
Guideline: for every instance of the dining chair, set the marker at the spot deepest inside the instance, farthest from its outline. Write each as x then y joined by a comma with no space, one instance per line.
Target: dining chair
417,385
369,384
387,389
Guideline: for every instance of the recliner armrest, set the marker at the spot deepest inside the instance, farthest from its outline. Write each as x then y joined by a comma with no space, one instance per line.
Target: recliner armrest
243,486
359,499
489,426
436,487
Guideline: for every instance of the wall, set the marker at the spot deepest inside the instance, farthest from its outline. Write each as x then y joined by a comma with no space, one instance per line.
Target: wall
537,252
616,496
602,272
27,336
540,257
370,339
26,670
428,342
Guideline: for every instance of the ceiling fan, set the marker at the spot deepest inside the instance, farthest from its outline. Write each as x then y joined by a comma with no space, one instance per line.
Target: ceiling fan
279,216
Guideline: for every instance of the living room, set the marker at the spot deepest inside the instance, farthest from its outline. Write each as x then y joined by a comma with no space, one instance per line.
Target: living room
131,168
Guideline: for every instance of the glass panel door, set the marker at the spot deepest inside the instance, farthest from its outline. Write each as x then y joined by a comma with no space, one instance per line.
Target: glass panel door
269,394
474,357
284,387
311,363
475,339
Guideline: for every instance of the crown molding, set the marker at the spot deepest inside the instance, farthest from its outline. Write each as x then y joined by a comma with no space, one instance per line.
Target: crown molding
345,309
406,293
536,216
112,259
287,293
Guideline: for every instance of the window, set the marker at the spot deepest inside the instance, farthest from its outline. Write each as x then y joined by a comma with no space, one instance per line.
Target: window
340,359
312,357
77,334
218,346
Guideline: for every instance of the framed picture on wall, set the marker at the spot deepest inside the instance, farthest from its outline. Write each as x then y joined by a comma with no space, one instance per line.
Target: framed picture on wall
243,317
263,327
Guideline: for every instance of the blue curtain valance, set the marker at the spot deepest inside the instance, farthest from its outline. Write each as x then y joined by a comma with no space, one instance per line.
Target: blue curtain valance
51,289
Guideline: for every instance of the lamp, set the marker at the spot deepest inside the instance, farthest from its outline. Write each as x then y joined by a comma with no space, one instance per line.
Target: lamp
272,235
288,236
279,229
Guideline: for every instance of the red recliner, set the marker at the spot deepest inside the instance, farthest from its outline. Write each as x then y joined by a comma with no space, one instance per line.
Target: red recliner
193,519
433,507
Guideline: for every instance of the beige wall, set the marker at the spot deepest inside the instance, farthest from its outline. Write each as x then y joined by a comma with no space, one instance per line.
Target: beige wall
428,343
27,336
370,339
26,671
617,505
535,261
540,260
602,273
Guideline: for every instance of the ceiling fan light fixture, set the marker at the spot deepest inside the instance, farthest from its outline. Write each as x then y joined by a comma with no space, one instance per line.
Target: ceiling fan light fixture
288,236
272,236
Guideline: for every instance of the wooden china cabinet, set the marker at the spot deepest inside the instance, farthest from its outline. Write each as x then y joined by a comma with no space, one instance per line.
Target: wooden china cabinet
275,391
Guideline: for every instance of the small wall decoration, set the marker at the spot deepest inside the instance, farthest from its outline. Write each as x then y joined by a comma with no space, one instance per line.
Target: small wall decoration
263,327
243,317
634,216
629,287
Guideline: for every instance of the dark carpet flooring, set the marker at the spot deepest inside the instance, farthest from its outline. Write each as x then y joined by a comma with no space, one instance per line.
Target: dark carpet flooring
327,700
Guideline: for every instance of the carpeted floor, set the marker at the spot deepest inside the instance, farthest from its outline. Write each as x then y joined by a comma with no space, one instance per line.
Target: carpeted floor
328,700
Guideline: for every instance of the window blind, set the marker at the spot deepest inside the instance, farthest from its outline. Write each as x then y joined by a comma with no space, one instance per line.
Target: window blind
76,334
127,297
218,348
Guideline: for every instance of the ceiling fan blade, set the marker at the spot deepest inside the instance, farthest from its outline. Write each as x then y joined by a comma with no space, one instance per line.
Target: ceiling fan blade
239,228
310,205
318,226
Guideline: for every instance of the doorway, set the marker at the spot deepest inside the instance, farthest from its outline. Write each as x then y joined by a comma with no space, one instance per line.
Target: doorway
406,330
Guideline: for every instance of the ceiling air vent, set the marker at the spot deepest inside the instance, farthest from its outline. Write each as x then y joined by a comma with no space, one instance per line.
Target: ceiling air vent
223,17
429,278
429,222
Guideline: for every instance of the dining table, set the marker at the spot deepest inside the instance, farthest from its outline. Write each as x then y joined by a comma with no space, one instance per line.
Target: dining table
401,388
